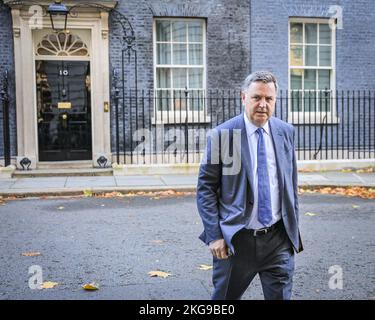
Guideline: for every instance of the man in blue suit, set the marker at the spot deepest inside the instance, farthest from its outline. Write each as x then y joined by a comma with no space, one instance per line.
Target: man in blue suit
247,197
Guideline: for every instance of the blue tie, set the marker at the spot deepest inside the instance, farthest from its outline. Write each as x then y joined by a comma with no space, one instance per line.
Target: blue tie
264,195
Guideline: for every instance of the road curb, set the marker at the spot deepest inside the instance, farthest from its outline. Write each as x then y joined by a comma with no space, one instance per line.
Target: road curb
95,191
22,193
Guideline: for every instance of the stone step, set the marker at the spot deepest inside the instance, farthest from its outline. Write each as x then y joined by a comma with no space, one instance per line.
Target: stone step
69,172
81,164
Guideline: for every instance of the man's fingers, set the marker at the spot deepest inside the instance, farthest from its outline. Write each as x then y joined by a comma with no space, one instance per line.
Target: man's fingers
223,253
220,253
219,249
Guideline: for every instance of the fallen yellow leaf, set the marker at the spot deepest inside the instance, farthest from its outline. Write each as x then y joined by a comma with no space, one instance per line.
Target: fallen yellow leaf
310,214
129,194
91,286
30,254
307,170
48,285
355,206
87,193
204,267
158,273
61,208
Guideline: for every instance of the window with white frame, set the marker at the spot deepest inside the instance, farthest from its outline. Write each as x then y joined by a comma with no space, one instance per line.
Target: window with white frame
311,65
179,55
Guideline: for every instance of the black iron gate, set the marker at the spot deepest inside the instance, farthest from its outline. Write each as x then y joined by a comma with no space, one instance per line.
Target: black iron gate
124,79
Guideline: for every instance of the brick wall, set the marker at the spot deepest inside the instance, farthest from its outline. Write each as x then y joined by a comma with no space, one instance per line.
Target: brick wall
355,63
227,44
355,45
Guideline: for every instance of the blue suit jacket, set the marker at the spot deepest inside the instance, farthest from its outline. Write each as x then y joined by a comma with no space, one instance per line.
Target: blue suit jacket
225,200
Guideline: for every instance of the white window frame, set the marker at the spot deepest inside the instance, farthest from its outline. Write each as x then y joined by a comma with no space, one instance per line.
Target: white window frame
313,117
180,116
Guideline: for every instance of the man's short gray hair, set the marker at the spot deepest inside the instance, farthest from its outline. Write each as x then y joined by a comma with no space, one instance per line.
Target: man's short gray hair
263,76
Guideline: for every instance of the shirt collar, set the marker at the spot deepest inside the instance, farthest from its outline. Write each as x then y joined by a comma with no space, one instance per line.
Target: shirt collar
251,128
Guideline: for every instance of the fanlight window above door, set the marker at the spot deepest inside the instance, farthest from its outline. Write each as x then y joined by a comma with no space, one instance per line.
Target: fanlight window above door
62,44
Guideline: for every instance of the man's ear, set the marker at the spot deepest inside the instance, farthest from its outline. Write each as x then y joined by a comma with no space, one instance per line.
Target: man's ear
243,97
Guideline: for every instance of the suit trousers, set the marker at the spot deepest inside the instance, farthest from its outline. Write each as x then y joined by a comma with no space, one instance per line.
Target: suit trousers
270,255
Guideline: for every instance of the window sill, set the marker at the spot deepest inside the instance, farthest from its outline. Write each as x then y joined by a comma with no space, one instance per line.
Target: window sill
298,119
177,119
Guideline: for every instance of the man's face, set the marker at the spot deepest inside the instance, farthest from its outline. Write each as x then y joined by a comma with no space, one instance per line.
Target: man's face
259,101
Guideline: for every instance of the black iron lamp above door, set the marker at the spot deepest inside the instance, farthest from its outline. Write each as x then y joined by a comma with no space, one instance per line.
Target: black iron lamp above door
58,13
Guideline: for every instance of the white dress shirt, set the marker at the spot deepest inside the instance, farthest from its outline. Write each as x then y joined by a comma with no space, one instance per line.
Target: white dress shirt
252,138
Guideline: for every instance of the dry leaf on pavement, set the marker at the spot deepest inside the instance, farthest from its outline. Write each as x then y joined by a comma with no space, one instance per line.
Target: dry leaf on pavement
112,194
48,285
362,192
91,286
159,273
310,214
31,254
129,194
61,208
87,193
204,267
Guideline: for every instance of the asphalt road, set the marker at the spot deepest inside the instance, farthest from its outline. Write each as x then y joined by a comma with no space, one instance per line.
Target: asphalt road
117,241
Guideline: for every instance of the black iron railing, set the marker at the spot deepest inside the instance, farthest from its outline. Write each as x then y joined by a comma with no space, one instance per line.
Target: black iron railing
172,126
4,100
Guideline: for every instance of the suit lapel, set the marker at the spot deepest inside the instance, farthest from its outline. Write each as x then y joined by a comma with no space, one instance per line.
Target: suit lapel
278,140
245,152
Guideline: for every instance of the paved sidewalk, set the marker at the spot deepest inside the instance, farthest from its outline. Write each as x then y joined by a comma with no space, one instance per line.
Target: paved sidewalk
77,184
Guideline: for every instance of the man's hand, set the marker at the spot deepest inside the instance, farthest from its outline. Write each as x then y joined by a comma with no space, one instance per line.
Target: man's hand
219,249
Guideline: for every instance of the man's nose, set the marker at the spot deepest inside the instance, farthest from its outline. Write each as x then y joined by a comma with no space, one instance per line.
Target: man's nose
262,103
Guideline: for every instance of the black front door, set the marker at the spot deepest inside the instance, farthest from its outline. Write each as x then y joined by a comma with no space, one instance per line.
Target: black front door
64,110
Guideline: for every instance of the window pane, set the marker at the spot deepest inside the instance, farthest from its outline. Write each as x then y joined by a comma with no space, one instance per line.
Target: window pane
163,78
195,54
180,99
163,100
296,84
296,101
296,79
179,78
195,31
163,31
296,32
310,80
179,31
296,55
324,80
196,78
311,33
309,101
311,56
309,92
324,101
163,53
179,54
324,34
324,55
196,101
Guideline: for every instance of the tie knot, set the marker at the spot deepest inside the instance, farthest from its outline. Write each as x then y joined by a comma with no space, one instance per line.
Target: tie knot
260,131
